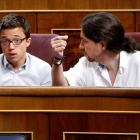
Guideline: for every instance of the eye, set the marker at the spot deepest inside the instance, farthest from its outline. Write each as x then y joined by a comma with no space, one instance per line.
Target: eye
5,41
17,40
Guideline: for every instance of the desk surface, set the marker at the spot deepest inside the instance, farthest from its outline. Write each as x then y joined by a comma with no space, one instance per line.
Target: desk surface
69,99
70,92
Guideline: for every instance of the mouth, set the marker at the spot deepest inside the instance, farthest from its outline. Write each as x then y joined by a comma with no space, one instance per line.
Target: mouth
12,55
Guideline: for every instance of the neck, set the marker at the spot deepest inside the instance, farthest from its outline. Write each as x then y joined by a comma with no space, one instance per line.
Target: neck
18,64
111,60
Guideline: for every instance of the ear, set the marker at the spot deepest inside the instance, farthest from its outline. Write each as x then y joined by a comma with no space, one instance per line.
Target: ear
103,45
28,42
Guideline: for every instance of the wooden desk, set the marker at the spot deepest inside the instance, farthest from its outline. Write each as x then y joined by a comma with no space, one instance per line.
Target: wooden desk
50,111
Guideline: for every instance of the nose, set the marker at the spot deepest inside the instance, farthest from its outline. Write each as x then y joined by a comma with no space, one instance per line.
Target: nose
81,46
11,45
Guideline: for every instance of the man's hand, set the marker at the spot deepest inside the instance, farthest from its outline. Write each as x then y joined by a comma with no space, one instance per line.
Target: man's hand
59,44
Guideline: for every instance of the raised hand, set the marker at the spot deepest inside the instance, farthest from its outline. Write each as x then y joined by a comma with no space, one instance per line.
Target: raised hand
59,43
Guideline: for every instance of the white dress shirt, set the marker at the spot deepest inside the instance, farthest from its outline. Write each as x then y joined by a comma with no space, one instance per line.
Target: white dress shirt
87,73
35,72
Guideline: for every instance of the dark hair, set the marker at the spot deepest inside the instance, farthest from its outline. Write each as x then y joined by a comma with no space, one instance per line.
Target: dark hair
106,27
12,21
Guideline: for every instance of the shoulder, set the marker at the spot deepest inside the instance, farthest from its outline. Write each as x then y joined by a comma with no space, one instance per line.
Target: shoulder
83,64
83,60
37,61
136,54
134,58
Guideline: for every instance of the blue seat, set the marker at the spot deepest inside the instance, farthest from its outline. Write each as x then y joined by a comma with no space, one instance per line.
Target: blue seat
12,137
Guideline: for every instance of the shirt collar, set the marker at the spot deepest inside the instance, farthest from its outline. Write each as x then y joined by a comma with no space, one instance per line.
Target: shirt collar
27,61
98,66
123,61
5,62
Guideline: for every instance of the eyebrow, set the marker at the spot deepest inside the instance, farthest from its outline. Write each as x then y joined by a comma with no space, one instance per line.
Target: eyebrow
3,36
14,36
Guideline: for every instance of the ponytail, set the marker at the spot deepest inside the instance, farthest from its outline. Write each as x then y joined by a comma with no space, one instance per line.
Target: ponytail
130,45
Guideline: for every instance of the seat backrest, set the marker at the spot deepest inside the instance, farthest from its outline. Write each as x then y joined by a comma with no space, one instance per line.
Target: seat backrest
12,137
40,46
135,35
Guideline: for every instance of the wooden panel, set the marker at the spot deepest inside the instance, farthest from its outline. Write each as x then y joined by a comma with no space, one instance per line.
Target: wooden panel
68,4
68,98
127,19
59,20
111,123
137,22
65,103
72,20
33,122
68,20
99,136
27,135
96,4
31,17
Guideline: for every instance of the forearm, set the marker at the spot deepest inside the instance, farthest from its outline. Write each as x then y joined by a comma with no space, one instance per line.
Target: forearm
58,44
58,78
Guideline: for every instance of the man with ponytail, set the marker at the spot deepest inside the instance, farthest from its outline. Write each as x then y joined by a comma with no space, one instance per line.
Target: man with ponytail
111,58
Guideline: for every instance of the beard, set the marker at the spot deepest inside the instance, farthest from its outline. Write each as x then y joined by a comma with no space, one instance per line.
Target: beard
95,58
89,59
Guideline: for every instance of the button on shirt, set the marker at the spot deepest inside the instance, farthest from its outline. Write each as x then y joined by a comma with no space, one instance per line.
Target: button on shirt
87,73
35,72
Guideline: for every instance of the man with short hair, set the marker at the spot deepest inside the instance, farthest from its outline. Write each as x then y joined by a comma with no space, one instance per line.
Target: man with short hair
17,67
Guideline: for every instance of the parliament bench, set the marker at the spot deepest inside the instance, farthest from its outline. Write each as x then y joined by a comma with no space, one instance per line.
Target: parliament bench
47,113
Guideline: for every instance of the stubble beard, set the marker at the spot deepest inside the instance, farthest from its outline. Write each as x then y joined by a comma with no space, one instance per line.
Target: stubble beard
94,59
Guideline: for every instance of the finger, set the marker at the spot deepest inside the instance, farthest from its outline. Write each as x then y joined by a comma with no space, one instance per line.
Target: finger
59,42
59,45
60,38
